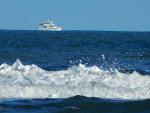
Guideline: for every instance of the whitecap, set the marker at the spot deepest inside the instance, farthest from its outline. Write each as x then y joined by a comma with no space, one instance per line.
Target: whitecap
30,81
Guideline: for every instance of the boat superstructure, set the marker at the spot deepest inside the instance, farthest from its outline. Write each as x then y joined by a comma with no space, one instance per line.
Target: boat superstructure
50,26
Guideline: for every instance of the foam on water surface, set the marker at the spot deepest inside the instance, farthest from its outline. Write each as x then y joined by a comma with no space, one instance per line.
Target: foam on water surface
20,81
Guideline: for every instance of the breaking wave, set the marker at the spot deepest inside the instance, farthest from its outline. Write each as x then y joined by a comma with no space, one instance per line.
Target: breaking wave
30,81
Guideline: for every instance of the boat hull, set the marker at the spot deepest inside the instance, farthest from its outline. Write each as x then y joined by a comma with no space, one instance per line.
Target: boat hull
48,29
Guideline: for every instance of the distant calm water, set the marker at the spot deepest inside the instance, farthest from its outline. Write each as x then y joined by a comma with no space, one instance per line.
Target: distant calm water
74,72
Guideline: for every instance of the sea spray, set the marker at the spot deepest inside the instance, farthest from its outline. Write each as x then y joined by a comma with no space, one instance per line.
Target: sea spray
20,81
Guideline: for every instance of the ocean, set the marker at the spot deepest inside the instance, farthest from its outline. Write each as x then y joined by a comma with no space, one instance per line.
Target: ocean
74,71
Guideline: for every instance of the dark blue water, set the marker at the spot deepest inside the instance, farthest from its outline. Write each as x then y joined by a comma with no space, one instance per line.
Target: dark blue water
77,104
53,51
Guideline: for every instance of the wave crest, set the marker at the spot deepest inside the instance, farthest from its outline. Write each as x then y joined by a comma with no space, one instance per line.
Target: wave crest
30,81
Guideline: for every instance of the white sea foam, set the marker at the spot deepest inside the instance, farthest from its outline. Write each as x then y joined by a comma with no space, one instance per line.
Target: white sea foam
19,81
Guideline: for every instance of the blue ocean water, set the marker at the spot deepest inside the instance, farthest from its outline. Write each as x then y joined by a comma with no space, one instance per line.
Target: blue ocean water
74,71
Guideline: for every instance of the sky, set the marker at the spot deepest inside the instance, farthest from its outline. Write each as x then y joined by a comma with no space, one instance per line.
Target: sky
109,15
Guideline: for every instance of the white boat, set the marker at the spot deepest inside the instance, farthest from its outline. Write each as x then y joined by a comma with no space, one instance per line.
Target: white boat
49,26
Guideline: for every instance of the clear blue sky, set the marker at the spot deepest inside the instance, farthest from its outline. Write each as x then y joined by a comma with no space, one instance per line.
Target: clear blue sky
120,15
